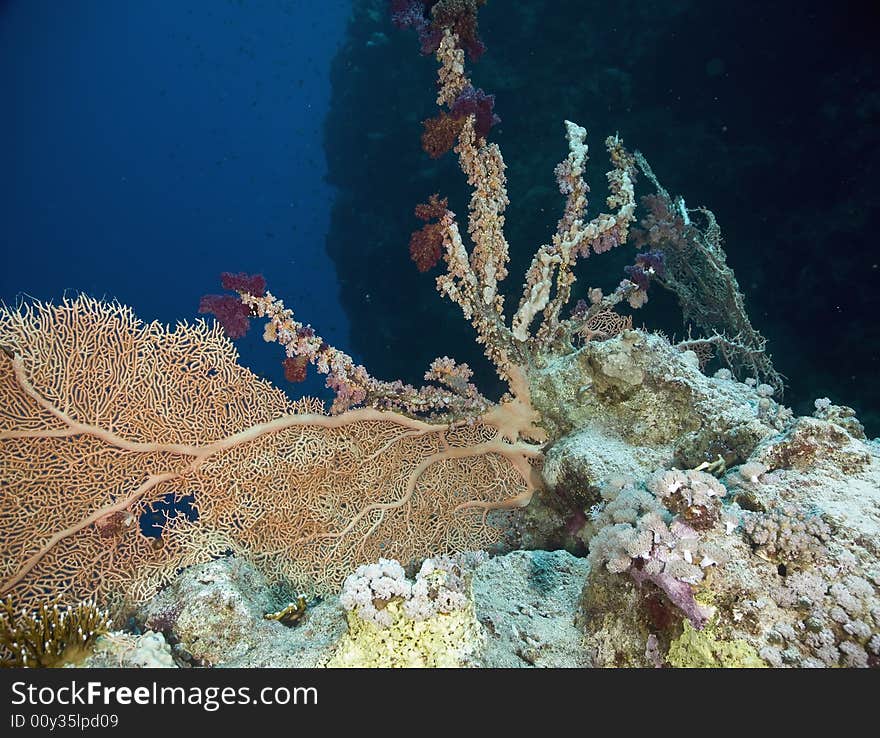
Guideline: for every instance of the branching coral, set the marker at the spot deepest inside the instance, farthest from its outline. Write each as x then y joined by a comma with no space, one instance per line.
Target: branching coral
472,277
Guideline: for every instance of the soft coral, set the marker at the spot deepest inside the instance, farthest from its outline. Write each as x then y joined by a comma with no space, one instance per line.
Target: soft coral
429,18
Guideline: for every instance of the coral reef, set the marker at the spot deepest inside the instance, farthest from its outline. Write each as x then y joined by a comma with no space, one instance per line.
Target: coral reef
793,547
719,529
637,534
512,611
787,534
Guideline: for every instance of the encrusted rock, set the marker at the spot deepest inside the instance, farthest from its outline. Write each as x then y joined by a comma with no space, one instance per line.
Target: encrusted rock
213,614
527,603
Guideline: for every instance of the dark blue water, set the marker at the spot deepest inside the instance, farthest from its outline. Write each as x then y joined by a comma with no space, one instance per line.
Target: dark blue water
148,146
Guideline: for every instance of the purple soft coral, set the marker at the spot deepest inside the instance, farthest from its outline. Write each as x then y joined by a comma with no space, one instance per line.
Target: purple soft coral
647,265
680,594
428,18
229,311
253,284
475,102
414,14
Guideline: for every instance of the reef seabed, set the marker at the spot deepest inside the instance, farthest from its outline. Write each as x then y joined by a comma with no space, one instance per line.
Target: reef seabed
784,536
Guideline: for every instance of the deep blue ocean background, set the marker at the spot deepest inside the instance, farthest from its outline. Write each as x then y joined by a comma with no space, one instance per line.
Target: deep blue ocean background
148,146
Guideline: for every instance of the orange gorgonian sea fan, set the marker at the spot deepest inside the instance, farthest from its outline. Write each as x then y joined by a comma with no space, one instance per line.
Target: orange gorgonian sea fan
106,420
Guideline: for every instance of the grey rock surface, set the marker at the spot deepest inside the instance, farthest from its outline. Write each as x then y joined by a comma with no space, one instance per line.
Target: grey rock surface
527,602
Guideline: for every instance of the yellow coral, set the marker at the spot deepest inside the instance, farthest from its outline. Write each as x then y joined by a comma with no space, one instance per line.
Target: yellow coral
442,641
704,649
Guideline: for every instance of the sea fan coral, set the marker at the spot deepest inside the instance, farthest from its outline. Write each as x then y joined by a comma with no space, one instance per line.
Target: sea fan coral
102,414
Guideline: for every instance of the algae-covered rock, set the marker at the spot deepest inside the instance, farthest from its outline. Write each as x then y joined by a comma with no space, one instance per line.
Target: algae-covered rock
581,463
518,610
786,556
212,611
703,649
792,580
610,421
638,388
618,618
